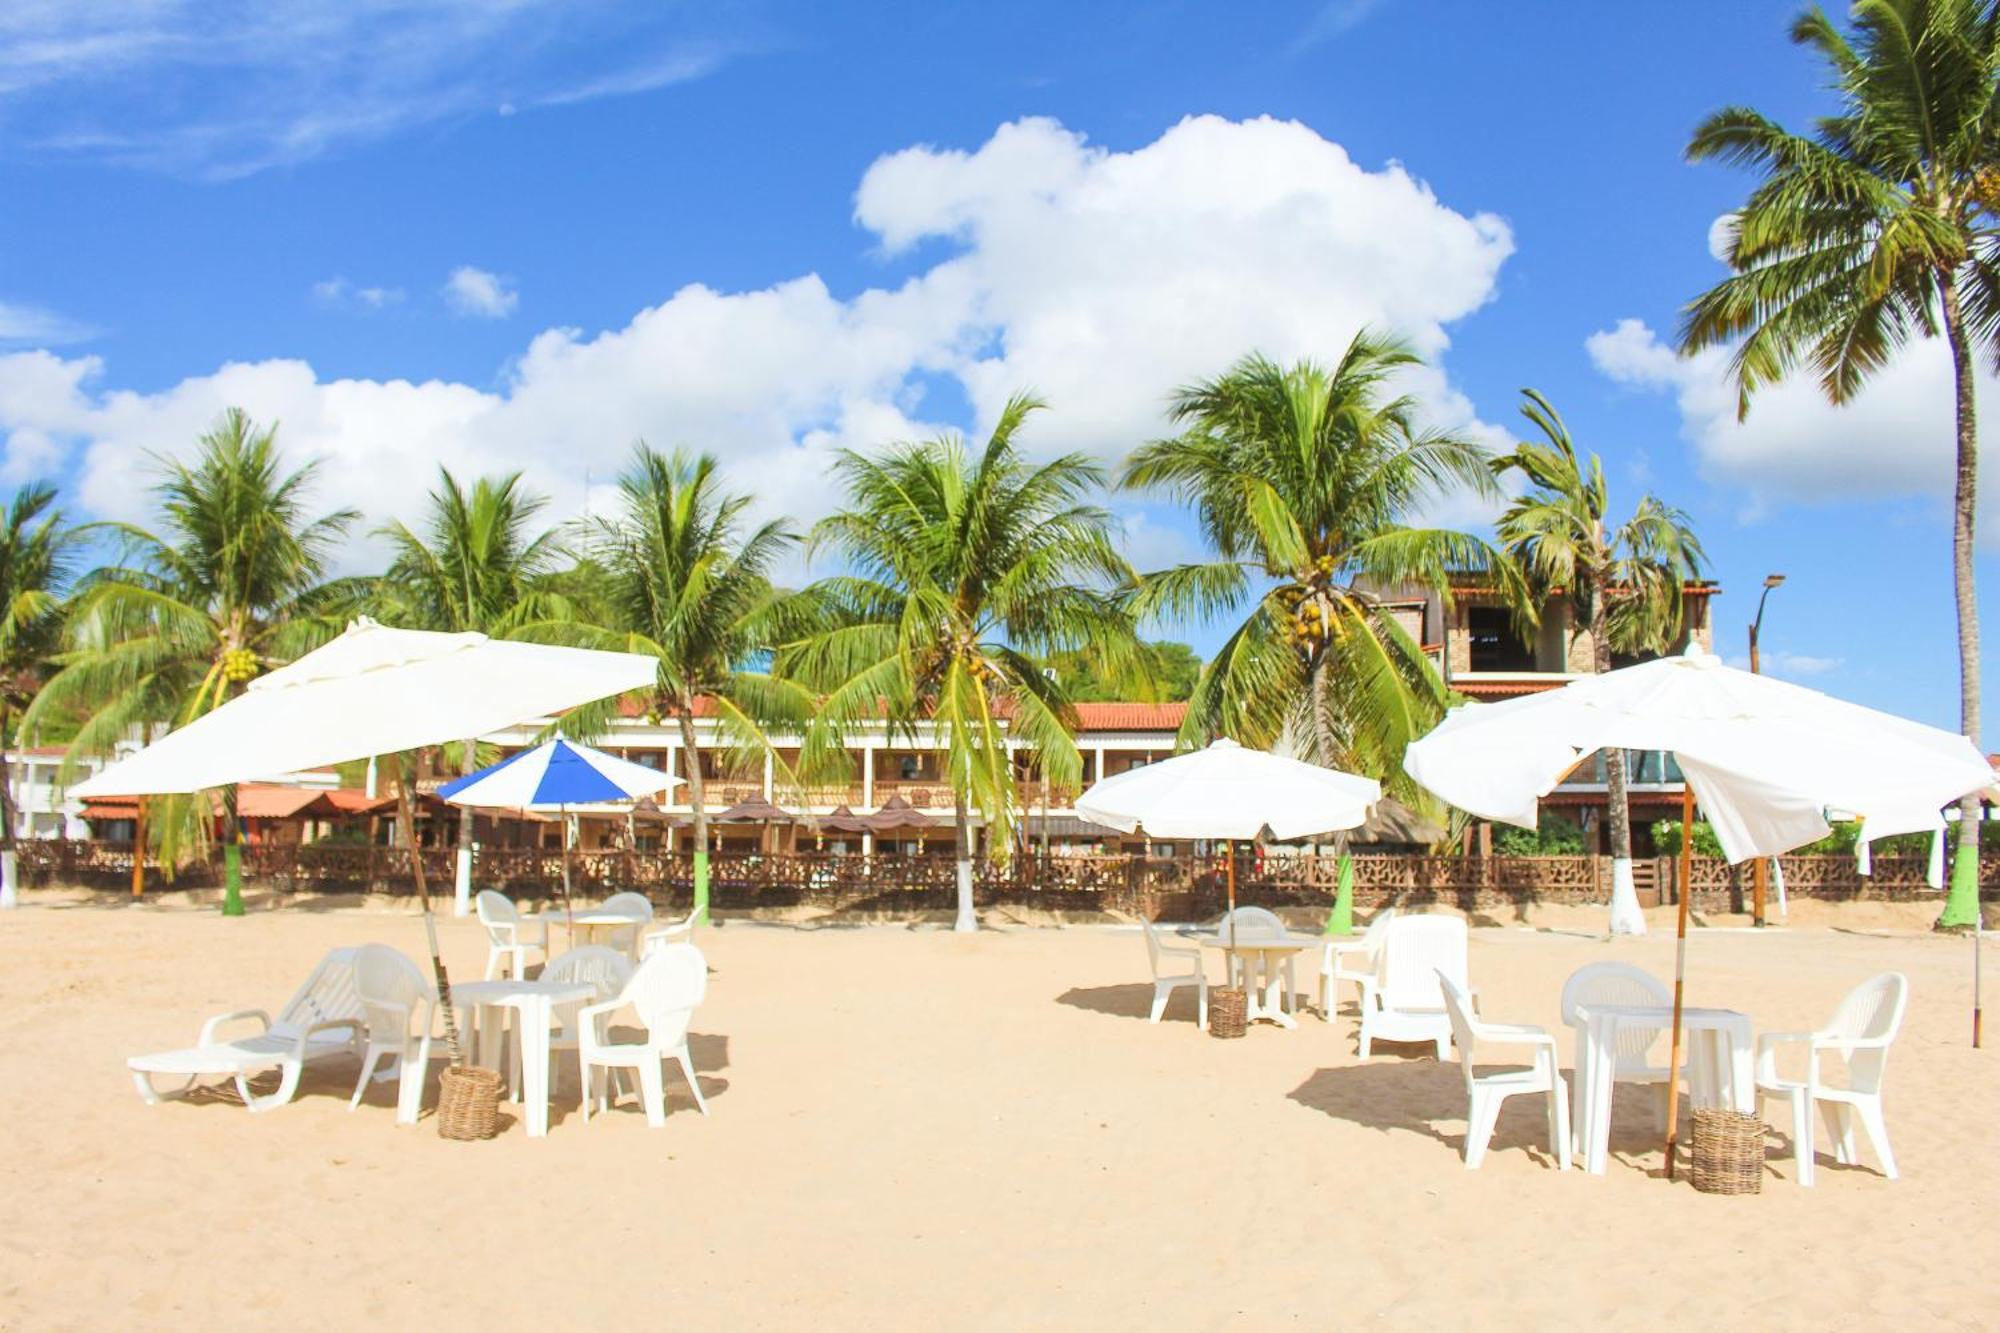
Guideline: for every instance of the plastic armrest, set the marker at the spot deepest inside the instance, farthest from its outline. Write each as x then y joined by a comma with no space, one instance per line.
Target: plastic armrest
208,1028
1765,1039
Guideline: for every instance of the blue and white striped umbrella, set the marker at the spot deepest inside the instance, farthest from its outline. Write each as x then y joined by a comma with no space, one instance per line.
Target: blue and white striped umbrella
555,775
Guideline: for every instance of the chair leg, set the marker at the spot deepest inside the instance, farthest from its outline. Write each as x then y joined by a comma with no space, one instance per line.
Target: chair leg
1326,997
686,1062
1840,1129
288,1083
1365,1036
1802,1136
1480,1119
368,1063
493,959
1201,1000
1160,994
653,1092
1559,1122
1869,1113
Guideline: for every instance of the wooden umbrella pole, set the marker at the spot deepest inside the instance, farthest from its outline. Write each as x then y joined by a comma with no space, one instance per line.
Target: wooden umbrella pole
139,850
406,816
569,913
1680,970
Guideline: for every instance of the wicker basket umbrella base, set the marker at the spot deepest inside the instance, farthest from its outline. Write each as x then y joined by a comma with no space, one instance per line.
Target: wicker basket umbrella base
468,1102
1228,1011
1728,1151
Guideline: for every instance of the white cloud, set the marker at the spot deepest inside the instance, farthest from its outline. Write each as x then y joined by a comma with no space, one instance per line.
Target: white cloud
1331,19
1894,440
340,294
476,292
222,88
44,328
1101,279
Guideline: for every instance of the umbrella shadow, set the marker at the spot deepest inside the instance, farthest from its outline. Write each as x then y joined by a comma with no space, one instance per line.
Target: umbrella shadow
1414,1097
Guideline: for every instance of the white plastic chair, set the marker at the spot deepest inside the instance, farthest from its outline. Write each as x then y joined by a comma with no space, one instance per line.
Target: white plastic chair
663,993
1251,923
399,1005
1402,1001
1333,964
627,938
1620,983
674,932
1485,1094
604,969
1166,983
323,1019
1860,1033
509,935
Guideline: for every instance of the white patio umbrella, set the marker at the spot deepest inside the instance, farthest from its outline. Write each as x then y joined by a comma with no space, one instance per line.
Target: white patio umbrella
557,775
1767,760
372,691
1232,793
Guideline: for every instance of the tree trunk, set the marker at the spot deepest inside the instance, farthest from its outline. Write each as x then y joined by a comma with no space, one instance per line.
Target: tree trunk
1626,918
462,882
1961,906
1322,723
698,802
966,920
10,887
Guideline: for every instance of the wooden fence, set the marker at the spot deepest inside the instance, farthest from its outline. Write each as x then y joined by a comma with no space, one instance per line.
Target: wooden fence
1181,887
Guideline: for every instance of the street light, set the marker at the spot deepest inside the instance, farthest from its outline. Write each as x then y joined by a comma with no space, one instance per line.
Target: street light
1770,581
1760,871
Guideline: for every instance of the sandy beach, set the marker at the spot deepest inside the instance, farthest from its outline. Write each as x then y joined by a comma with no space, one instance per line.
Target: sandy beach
915,1130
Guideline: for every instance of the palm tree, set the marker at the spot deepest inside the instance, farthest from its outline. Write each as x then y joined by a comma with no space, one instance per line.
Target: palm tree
1305,480
1878,228
36,548
1624,584
231,585
963,568
476,566
690,587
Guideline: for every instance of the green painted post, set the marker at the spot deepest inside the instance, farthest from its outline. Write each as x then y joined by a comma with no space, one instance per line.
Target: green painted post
701,888
1340,921
1961,903
232,880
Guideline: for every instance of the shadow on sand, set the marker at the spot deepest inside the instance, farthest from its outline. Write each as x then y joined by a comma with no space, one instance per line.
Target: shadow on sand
1415,1096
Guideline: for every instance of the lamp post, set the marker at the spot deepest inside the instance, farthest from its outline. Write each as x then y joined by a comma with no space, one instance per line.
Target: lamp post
1760,870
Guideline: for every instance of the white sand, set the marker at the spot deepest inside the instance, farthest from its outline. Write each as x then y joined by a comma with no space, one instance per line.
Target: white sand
915,1130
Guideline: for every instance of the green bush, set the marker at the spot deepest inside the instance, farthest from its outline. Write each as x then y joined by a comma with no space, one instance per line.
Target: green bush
1556,835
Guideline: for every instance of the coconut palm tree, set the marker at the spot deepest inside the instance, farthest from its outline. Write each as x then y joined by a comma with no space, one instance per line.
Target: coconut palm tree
477,565
689,584
231,584
1624,583
1306,481
36,549
1877,228
964,567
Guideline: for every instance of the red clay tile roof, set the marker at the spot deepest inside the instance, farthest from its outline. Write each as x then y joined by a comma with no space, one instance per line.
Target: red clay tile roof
1129,717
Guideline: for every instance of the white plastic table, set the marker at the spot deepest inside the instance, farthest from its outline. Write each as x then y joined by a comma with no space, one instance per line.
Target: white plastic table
1719,1049
1268,954
531,1003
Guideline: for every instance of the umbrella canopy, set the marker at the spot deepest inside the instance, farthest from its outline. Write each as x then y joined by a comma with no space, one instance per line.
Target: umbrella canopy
843,820
1765,758
897,814
756,810
556,774
371,691
1226,791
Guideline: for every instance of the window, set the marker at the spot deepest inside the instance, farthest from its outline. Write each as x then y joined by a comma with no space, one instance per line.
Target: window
1495,645
909,768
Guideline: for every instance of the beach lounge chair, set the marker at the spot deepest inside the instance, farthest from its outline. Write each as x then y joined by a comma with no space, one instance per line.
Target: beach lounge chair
1402,1001
1860,1033
509,935
1165,983
1621,983
399,1006
663,992
324,1019
1334,965
1485,1094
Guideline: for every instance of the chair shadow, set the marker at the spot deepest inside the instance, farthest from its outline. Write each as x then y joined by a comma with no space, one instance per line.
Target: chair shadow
1134,1000
1413,1096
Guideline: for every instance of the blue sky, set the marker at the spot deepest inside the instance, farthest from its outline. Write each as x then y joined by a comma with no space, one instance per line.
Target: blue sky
524,235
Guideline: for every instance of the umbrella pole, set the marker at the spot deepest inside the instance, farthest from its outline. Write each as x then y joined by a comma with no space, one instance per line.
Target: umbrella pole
406,816
1680,970
569,913
1229,874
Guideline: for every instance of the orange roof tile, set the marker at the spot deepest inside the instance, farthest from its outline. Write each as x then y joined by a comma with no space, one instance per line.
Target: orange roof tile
1129,716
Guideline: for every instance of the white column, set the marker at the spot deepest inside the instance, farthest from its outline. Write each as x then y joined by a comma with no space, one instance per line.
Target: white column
1100,764
768,770
868,792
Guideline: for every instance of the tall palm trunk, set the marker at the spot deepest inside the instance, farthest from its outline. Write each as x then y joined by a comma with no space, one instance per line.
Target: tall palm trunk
10,888
966,920
462,883
698,801
1626,918
1961,906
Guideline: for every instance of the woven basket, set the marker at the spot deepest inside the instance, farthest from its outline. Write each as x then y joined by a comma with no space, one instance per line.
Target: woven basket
1228,1011
468,1103
1728,1152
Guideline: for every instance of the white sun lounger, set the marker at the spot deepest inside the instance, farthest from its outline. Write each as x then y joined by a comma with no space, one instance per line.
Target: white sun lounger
324,1019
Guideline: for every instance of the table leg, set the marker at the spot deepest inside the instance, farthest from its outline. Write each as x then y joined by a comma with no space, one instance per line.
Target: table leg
534,1047
488,1027
1742,1077
1579,1096
1603,1073
1274,992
